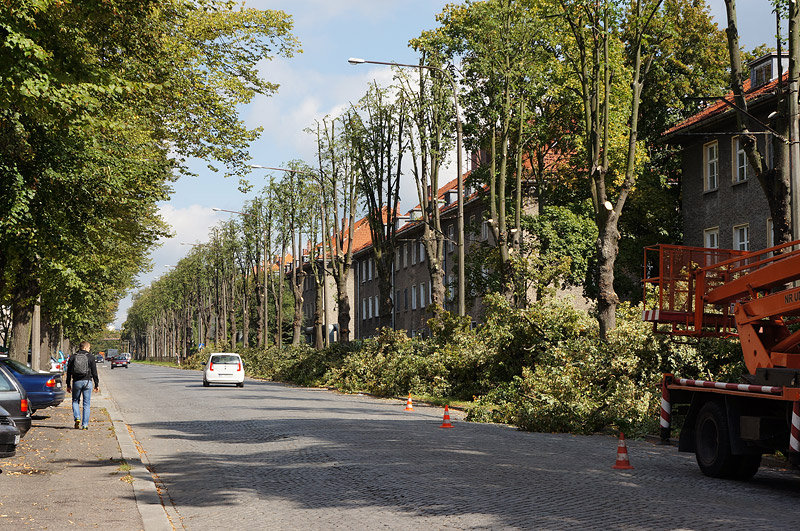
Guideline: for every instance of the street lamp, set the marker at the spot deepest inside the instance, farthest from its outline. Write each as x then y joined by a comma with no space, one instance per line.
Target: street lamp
215,209
459,180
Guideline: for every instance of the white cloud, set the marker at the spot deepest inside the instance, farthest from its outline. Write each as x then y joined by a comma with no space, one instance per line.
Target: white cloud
306,96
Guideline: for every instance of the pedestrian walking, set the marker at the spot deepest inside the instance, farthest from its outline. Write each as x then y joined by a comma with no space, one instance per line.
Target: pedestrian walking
81,371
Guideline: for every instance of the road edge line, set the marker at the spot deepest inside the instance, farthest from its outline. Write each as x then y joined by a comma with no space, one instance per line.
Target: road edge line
148,501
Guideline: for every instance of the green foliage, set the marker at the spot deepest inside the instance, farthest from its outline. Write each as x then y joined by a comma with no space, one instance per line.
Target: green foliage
542,369
580,384
100,101
562,249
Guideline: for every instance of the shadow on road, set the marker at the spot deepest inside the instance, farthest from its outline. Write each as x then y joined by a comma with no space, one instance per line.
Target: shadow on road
412,467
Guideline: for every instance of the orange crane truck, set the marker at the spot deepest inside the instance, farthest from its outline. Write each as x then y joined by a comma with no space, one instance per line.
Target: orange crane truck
702,292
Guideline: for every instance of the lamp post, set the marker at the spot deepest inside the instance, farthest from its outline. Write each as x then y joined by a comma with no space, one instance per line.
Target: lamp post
459,180
325,339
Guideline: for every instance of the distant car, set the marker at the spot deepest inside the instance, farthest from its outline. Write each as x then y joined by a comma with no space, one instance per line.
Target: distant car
99,358
44,389
224,367
119,361
14,399
56,366
9,434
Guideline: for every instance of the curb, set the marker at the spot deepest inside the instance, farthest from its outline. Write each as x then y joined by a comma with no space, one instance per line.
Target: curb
152,509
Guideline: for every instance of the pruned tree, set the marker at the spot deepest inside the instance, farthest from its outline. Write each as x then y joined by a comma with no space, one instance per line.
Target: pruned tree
776,181
339,201
608,37
378,127
430,138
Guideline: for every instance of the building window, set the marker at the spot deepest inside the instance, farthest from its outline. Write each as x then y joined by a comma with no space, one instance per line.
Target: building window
740,165
770,233
413,253
363,309
397,259
710,165
485,230
741,237
711,238
405,254
451,238
421,251
430,292
363,271
471,225
422,295
414,297
370,266
450,288
377,307
762,74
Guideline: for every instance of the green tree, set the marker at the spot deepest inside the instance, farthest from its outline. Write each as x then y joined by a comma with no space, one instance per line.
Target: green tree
608,37
99,102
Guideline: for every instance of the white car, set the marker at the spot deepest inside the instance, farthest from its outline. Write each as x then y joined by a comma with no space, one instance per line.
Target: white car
224,367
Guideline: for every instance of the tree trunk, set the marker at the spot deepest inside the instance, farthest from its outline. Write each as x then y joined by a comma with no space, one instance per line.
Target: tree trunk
21,330
434,250
607,300
343,302
245,319
232,313
260,308
319,332
279,298
297,290
36,335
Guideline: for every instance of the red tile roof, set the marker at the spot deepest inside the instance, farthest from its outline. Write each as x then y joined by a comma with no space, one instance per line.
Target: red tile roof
720,107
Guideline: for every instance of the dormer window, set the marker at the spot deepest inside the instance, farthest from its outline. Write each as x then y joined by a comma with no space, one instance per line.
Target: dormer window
762,74
765,69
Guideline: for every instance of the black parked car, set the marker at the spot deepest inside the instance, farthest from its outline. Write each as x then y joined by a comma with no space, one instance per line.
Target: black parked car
44,389
14,399
9,435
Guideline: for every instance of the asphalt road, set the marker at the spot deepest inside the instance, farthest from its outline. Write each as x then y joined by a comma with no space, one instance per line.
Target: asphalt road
272,456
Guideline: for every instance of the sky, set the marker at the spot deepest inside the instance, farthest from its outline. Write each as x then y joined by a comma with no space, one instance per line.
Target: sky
320,82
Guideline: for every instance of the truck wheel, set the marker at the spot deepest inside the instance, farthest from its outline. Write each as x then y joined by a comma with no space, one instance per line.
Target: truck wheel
712,442
746,466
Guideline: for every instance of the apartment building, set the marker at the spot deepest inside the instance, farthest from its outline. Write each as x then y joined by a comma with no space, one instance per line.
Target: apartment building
411,282
723,203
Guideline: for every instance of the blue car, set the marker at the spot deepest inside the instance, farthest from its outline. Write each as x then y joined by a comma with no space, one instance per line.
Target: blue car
44,389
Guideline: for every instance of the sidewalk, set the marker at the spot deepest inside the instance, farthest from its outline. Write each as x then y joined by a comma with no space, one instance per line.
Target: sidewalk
63,478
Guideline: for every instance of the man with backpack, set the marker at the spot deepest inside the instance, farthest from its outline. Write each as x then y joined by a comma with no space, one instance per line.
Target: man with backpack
81,371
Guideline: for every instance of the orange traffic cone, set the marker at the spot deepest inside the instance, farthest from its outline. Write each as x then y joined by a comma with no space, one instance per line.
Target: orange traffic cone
409,405
446,420
622,455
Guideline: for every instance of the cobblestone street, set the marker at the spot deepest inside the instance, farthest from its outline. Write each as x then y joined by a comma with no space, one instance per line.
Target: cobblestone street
273,456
